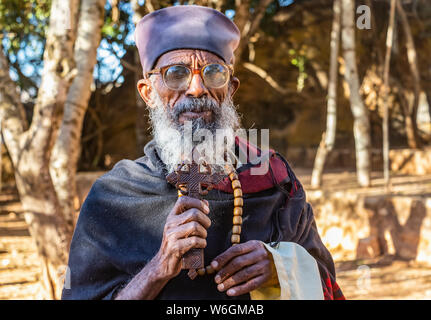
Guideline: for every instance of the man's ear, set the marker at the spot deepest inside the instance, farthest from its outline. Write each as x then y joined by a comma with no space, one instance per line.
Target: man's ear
144,89
234,82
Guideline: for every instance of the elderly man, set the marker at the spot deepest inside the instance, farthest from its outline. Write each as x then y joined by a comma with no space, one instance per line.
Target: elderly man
257,232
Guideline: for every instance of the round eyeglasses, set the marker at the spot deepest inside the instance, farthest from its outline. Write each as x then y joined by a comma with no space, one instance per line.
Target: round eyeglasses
178,76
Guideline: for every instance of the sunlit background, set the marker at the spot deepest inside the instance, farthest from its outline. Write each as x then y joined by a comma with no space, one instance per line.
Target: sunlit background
377,227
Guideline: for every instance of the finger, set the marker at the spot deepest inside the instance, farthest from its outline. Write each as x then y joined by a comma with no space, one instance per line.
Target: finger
184,203
244,275
184,245
238,263
186,230
194,215
250,285
240,249
188,216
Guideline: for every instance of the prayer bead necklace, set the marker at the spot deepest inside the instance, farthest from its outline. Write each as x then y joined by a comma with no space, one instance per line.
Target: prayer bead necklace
238,203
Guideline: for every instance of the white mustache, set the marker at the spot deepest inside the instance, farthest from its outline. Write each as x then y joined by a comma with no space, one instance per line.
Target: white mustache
194,105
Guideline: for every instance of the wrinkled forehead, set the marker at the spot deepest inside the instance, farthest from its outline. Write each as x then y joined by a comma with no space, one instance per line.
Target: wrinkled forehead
186,56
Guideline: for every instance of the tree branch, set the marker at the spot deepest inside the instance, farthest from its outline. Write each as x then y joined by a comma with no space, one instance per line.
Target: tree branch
129,66
247,23
265,76
12,111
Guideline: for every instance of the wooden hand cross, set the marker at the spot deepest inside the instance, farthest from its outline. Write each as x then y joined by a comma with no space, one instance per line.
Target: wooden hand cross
190,181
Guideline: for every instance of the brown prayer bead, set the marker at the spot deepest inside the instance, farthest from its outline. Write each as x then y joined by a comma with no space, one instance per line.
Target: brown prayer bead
237,220
238,202
236,184
201,271
233,176
236,229
235,238
209,269
237,193
237,211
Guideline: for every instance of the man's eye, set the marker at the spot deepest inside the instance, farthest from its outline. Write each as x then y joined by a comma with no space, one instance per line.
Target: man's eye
216,75
176,72
214,69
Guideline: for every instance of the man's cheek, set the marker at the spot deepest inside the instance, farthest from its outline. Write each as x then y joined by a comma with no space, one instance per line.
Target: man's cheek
218,96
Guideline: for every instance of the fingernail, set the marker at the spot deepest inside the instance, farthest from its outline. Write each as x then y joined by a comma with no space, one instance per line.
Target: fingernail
214,264
220,287
217,279
230,292
206,208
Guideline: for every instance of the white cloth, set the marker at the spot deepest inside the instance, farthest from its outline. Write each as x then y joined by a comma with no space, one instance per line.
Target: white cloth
298,275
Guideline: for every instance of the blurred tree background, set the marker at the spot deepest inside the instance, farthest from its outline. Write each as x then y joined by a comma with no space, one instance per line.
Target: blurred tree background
283,65
291,46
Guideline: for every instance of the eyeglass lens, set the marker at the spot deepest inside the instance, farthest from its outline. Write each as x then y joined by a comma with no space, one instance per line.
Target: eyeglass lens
178,77
215,75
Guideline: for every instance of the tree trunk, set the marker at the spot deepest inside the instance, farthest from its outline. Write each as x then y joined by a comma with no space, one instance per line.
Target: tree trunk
411,124
361,126
67,149
428,96
406,102
389,41
30,150
142,120
328,138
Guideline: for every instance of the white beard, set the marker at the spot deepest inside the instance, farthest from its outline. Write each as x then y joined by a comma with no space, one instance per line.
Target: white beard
175,142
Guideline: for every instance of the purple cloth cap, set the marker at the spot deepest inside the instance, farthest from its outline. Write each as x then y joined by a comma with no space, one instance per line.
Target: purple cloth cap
185,27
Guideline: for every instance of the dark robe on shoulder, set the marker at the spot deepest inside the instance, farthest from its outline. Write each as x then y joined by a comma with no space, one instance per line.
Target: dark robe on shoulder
121,223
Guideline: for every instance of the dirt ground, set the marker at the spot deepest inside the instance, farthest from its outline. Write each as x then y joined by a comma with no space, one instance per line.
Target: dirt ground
382,278
375,280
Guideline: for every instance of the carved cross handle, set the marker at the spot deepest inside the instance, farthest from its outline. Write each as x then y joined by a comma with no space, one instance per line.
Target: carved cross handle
190,180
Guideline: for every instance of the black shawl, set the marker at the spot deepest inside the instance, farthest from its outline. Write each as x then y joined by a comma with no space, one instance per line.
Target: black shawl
121,222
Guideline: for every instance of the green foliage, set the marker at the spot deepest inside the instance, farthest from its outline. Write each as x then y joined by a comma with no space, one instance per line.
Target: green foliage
23,25
21,19
116,31
299,60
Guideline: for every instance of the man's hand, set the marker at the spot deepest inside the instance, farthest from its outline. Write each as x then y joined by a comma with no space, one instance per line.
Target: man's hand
244,268
185,228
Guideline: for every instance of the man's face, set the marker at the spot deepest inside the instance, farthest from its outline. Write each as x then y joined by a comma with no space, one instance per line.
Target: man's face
197,89
204,110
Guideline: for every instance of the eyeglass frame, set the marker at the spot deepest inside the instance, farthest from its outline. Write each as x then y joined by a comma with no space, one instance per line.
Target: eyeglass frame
193,70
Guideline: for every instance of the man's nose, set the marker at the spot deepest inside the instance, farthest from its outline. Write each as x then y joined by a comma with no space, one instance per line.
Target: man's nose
197,87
